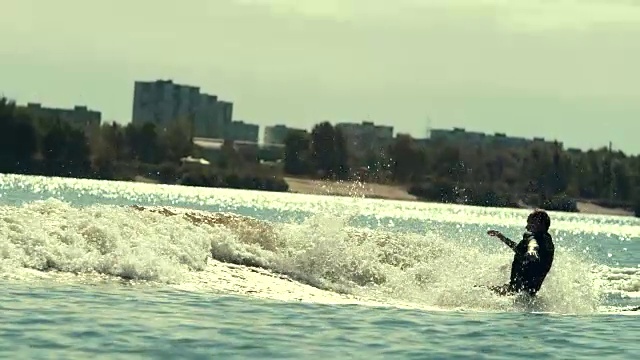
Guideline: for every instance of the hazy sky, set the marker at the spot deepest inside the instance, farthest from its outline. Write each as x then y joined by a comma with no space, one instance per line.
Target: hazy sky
558,69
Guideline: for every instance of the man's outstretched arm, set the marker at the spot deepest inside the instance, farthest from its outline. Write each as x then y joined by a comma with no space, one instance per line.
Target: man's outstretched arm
510,243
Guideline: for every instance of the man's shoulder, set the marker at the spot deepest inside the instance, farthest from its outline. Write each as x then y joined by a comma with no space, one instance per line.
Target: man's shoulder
542,236
545,238
527,236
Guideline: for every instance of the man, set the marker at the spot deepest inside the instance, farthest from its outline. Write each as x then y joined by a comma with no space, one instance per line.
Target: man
533,256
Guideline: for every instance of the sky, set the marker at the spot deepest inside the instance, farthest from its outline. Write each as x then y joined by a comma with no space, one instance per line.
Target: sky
565,70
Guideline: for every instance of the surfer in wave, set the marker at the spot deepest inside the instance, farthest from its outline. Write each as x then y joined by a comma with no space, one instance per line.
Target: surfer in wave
533,256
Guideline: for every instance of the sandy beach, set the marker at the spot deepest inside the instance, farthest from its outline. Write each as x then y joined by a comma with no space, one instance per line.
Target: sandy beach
348,188
589,208
393,192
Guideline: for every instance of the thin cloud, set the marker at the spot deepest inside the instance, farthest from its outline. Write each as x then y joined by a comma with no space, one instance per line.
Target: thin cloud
482,64
521,16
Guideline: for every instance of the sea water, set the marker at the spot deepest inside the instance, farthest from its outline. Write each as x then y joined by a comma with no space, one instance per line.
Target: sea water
85,275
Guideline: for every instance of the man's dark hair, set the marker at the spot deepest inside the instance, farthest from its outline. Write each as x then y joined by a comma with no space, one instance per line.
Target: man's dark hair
541,217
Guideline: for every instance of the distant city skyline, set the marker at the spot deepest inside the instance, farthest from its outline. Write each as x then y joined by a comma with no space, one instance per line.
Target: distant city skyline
564,71
418,135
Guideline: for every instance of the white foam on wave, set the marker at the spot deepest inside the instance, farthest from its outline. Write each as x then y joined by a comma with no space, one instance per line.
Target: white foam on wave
320,260
52,235
624,281
622,228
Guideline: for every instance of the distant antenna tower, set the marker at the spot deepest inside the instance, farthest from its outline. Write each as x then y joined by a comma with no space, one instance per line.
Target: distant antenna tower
428,134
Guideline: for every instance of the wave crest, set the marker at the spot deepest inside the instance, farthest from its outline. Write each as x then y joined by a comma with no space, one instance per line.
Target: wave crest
165,245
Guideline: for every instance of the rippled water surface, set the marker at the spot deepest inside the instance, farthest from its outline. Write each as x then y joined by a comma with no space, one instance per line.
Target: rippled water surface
298,276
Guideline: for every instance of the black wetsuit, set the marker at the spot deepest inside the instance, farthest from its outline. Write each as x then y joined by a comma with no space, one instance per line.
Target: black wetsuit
528,274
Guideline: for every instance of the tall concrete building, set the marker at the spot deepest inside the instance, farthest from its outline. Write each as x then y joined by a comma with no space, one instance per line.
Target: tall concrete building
163,101
241,131
205,115
80,116
366,137
463,137
278,134
224,116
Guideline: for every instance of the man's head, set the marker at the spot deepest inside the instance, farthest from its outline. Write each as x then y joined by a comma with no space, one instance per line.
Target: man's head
538,221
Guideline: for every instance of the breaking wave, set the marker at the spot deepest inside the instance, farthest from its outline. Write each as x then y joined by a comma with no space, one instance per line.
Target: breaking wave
235,254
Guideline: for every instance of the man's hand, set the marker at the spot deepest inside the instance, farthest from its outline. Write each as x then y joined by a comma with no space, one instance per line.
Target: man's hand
504,239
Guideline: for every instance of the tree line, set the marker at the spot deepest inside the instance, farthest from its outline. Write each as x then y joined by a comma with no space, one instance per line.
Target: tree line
50,146
489,174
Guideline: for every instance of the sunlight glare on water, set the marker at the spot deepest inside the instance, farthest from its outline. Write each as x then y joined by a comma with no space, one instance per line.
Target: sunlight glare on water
296,248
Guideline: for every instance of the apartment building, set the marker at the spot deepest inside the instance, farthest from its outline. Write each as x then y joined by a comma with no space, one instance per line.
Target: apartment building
162,101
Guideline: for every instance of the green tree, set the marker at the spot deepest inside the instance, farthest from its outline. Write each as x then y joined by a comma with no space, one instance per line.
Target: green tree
622,181
143,143
558,173
65,150
230,158
406,159
177,140
18,139
450,164
341,155
328,151
297,159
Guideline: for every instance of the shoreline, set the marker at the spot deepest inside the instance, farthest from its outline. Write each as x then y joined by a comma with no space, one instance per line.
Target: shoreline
348,188
391,192
399,193
590,208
